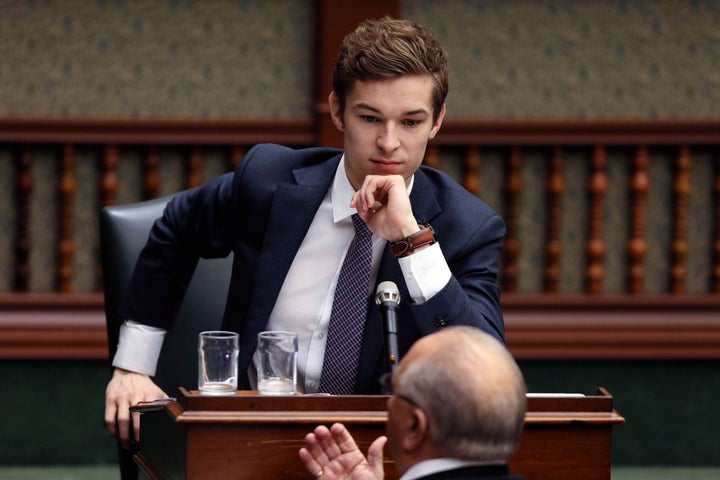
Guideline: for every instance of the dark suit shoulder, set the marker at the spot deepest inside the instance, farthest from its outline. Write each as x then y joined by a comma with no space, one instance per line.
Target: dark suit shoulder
455,202
446,188
275,157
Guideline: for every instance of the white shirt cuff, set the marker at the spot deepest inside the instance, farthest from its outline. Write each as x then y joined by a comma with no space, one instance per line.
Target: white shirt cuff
426,272
138,347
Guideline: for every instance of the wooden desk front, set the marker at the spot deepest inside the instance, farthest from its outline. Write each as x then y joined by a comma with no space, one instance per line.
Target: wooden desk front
249,436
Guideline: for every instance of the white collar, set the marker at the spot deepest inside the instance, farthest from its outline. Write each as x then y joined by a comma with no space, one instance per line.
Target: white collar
435,465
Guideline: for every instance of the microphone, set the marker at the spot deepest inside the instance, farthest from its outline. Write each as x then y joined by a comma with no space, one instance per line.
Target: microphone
387,296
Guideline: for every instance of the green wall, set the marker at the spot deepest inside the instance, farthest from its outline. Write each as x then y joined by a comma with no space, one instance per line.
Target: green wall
53,413
670,407
52,410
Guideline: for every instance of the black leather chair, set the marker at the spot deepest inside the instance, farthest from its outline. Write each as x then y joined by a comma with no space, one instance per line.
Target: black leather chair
123,233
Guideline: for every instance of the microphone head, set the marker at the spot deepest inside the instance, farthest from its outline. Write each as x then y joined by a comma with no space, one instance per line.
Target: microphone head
387,292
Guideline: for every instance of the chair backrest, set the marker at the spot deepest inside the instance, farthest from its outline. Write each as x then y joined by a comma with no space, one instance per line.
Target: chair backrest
123,232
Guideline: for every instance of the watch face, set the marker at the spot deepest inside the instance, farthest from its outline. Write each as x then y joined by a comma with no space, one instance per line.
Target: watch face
400,247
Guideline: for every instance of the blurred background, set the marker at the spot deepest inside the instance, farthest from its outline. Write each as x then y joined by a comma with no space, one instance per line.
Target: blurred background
591,126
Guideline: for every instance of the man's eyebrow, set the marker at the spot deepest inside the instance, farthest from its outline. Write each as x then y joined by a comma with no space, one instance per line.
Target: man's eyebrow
419,111
366,106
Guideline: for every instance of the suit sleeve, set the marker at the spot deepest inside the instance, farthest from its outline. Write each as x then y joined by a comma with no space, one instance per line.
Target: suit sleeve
472,296
196,223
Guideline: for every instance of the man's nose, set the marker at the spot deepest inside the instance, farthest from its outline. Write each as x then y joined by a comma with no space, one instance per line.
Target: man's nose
387,139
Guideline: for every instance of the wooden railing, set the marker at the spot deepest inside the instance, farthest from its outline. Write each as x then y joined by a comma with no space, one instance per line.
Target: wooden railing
680,140
577,282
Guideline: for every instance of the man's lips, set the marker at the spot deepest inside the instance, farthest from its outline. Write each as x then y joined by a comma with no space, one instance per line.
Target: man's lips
385,163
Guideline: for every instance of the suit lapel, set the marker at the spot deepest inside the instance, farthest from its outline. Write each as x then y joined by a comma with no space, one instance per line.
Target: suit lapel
293,208
422,198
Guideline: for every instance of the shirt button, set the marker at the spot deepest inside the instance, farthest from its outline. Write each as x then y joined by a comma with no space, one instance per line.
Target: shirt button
440,322
320,336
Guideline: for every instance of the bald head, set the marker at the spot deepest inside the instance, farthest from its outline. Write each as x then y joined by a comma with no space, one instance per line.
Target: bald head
471,389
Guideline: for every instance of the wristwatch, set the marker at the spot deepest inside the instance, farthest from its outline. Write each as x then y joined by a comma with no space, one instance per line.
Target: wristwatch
406,246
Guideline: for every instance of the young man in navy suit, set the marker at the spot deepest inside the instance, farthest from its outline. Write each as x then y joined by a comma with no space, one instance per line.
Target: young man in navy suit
286,217
456,411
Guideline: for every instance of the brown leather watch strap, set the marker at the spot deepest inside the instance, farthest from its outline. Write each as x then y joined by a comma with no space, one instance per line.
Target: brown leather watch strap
407,245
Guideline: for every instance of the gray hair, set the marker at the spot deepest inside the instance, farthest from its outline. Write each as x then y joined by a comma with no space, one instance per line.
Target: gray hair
473,394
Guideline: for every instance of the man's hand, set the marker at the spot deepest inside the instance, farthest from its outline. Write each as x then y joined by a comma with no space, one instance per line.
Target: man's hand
124,390
333,455
383,202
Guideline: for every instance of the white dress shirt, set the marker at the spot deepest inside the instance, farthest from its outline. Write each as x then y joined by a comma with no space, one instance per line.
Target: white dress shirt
305,300
435,465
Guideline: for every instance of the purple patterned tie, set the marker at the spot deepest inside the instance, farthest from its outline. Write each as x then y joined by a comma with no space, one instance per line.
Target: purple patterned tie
347,320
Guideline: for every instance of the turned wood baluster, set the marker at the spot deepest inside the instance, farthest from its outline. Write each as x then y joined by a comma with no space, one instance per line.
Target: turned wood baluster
109,187
23,189
637,245
716,242
553,246
151,173
194,167
473,162
597,187
237,153
681,197
66,245
511,249
109,184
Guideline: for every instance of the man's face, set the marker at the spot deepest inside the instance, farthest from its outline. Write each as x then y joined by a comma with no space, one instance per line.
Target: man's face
386,126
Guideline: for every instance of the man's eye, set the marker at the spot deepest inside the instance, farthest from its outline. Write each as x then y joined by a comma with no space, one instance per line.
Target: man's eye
369,118
412,123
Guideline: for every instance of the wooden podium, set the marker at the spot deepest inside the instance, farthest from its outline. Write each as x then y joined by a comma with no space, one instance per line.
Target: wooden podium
250,436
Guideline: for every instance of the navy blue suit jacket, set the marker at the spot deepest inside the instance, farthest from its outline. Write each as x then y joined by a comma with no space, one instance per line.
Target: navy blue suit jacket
261,213
489,472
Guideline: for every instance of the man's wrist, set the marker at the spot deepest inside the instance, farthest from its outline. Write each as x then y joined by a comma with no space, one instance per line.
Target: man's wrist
416,241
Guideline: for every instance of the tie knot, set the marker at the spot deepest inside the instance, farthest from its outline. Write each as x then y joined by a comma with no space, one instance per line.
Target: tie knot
361,228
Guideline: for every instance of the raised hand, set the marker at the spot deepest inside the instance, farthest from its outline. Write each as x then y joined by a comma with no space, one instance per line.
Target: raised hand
332,454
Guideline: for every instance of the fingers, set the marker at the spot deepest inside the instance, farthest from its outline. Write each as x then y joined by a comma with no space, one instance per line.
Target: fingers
342,438
328,442
374,192
117,418
308,460
323,445
314,445
375,456
334,453
123,425
111,419
124,390
383,202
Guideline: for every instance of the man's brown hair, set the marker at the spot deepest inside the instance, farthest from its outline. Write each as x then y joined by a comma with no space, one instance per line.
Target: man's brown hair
389,48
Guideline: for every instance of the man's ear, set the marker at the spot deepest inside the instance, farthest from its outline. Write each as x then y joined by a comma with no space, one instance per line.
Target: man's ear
335,114
438,123
417,432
